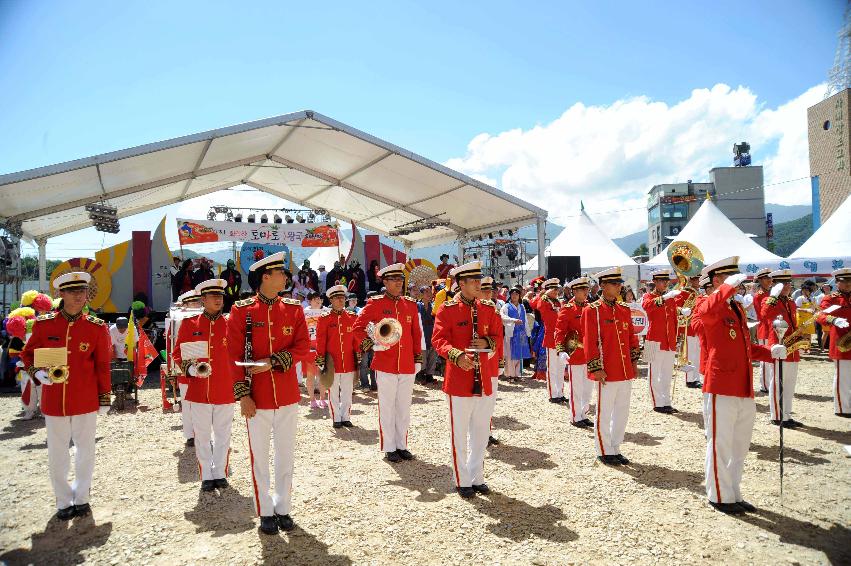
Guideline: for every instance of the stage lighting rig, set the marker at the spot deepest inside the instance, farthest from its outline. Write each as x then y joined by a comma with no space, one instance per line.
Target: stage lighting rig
419,225
104,217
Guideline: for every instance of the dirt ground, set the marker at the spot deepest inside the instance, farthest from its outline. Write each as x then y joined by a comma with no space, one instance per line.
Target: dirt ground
552,503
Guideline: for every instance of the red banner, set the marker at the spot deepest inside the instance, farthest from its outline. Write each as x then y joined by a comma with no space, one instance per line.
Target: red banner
145,354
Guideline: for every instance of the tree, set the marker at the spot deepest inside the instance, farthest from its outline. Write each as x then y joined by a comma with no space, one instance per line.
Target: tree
641,250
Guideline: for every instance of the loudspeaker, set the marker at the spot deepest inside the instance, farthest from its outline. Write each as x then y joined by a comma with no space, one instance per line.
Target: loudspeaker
565,267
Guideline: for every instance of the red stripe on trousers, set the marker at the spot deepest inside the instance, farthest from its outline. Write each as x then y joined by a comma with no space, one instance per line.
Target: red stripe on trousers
572,396
838,396
599,404
776,391
452,433
714,455
549,390
650,382
253,479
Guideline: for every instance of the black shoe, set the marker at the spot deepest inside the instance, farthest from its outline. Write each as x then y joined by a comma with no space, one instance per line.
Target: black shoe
747,506
579,424
663,410
564,400
555,399
777,423
492,441
671,410
622,459
285,522
610,460
221,483
405,455
393,457
82,510
588,422
792,423
269,525
65,514
338,425
347,424
728,508
844,415
761,390
190,442
208,485
693,384
482,488
466,492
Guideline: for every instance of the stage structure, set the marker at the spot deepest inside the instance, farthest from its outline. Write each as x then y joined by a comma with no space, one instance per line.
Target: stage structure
304,158
502,254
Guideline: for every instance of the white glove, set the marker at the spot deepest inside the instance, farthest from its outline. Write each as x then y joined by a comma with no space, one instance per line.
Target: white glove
192,371
103,409
418,367
778,351
671,294
685,311
564,356
735,280
41,375
775,291
840,322
739,298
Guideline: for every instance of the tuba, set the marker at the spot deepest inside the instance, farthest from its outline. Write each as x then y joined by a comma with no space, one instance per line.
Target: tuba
203,369
57,374
844,343
687,261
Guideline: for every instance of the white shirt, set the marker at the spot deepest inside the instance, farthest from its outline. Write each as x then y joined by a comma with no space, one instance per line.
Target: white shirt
118,339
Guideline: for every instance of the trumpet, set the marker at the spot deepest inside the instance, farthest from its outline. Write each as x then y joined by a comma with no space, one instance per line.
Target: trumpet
387,333
58,374
203,369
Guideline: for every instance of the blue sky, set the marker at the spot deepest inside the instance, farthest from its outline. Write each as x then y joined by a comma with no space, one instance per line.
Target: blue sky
81,78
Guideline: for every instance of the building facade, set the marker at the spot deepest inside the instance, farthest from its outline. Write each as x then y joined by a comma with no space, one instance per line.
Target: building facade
830,161
737,191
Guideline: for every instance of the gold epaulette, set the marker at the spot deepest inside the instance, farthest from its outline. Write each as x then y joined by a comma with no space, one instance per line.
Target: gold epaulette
596,304
771,300
449,303
291,302
47,316
326,313
95,320
623,304
836,294
245,302
487,302
375,297
413,300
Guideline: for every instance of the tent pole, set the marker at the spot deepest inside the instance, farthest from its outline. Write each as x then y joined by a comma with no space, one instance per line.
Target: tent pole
42,265
542,244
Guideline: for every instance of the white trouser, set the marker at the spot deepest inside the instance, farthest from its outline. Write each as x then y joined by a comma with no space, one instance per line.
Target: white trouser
212,423
185,412
729,425
341,396
278,425
766,370
693,355
513,367
61,431
842,387
468,428
394,409
790,378
29,388
660,370
580,392
555,374
491,401
612,413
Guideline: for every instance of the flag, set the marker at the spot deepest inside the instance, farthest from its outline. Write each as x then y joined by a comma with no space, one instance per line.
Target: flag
144,356
130,339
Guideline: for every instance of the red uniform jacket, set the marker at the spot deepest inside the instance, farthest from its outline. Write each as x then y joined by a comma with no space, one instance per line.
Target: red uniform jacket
492,364
609,340
400,358
182,378
772,307
278,332
696,329
727,344
453,331
662,318
764,326
569,327
89,353
844,311
549,315
218,388
334,335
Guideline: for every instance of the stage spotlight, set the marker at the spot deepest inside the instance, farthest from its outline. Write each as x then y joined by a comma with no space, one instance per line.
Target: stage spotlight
238,217
500,233
511,233
264,219
289,219
251,218
475,256
490,235
278,219
299,218
211,215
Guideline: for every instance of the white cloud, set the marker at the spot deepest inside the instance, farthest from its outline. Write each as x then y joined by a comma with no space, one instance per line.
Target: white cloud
610,156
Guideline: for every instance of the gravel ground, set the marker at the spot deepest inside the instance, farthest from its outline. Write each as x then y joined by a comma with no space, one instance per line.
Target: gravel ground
552,503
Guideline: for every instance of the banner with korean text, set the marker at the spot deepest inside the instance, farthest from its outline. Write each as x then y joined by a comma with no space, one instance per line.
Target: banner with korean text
292,235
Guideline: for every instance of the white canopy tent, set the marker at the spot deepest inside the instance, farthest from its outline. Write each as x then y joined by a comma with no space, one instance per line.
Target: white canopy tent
304,158
596,251
717,237
327,256
829,248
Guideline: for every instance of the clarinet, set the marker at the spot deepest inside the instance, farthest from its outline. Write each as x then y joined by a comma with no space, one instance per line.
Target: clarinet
249,351
477,368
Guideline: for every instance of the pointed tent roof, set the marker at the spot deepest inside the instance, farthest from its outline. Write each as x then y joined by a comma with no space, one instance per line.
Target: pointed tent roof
583,238
717,237
832,239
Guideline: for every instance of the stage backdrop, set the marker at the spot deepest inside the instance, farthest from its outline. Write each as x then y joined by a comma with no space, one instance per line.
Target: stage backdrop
293,235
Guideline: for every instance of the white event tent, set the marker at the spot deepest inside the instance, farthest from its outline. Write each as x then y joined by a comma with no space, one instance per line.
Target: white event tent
596,251
828,248
717,237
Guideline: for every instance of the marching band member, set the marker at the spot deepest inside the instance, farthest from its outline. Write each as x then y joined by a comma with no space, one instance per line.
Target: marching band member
269,400
469,378
188,300
764,328
694,378
728,402
612,352
837,321
71,403
568,338
780,304
662,307
548,305
210,393
396,366
334,337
